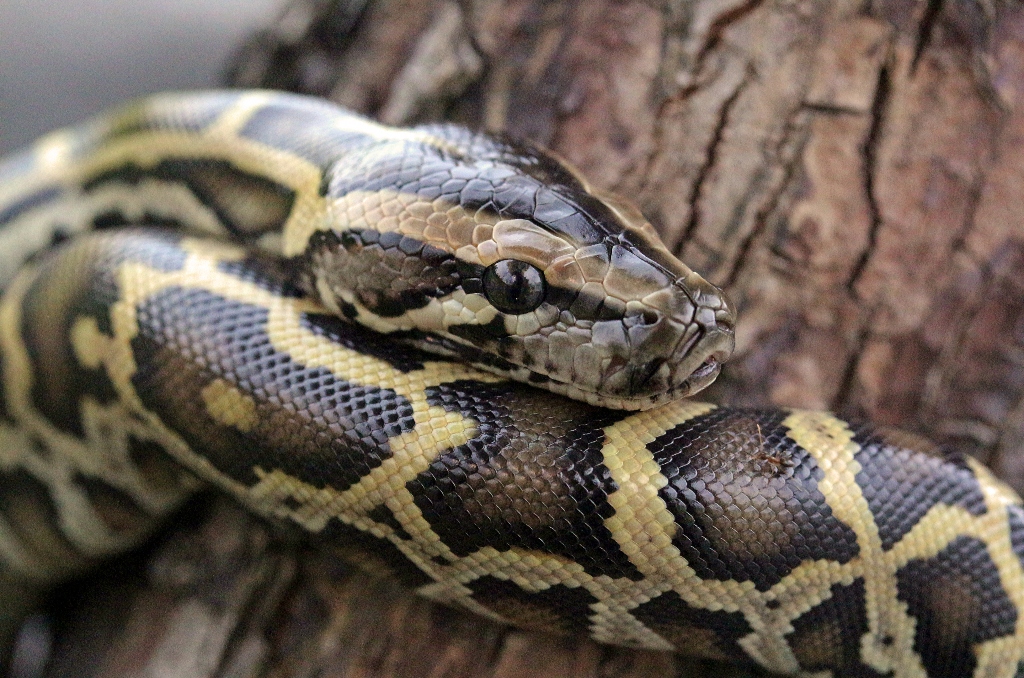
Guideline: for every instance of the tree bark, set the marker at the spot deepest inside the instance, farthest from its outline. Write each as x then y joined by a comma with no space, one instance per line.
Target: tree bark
851,172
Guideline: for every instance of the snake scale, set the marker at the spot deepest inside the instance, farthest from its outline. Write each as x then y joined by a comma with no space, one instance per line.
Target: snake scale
180,278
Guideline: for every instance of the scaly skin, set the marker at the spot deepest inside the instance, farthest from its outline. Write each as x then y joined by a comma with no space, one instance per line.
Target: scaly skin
461,243
140,365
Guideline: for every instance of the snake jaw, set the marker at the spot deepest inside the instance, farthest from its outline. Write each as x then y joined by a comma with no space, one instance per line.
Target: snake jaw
713,345
692,366
685,348
706,372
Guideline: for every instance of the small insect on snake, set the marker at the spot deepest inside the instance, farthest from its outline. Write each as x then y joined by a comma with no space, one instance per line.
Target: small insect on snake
445,353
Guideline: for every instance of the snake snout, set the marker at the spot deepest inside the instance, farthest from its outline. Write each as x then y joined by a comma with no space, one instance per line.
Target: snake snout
713,347
707,338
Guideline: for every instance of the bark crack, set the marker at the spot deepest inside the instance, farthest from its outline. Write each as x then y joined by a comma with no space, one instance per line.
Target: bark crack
710,158
715,30
870,153
831,109
925,31
760,219
657,137
844,391
712,39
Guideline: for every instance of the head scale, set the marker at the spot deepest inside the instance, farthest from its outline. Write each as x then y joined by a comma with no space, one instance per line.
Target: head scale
499,253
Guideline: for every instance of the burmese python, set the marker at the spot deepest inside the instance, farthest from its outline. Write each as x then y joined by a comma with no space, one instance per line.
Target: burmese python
200,335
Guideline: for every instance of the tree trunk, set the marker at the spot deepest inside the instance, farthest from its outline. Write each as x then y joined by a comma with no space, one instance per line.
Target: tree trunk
851,172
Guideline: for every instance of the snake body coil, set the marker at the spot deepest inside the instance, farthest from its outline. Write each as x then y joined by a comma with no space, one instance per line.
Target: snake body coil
139,364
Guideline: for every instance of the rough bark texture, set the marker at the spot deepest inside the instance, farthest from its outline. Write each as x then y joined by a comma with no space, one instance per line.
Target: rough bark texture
852,173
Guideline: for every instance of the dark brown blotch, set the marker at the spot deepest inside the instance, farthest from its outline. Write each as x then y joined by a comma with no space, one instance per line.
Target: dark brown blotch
388,273
557,609
745,498
712,634
958,601
903,476
533,477
75,282
246,204
307,423
27,507
371,554
828,636
118,510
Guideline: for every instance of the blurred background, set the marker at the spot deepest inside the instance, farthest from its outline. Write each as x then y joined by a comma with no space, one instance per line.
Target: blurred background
63,61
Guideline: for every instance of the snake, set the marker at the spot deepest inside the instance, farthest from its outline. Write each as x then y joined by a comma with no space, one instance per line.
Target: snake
446,357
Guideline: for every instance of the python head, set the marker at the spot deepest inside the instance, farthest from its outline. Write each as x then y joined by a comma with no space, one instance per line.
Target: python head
499,253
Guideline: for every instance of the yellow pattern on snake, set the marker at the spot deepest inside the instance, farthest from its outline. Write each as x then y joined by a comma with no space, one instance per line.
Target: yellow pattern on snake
198,329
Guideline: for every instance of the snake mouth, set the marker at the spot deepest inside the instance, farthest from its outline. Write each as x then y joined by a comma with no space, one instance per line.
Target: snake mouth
706,351
703,376
710,366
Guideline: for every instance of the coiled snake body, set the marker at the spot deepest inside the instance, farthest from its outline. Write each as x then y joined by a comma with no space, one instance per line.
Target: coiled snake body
151,356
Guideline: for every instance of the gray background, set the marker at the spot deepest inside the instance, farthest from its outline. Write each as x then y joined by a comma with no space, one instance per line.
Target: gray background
63,61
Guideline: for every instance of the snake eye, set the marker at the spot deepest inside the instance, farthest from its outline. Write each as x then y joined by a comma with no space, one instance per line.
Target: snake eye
514,286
